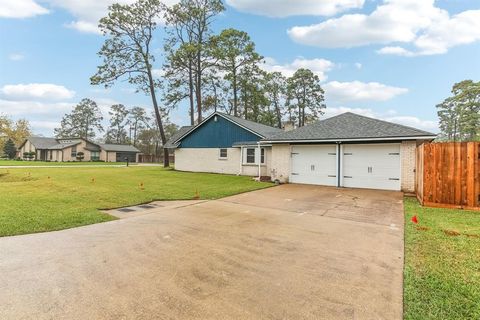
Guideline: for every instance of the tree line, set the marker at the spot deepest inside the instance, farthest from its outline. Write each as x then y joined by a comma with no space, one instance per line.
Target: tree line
459,115
126,126
206,70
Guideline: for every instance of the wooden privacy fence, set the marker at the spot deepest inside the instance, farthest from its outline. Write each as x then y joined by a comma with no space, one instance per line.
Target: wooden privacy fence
448,174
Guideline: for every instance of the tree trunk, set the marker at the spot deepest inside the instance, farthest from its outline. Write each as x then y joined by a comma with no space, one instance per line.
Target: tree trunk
235,98
199,87
279,115
166,160
299,116
190,89
134,134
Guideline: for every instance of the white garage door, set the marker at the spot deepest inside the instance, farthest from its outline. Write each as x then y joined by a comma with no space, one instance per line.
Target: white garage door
314,165
373,166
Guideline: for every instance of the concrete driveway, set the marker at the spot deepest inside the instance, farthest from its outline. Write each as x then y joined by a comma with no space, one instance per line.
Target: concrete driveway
289,252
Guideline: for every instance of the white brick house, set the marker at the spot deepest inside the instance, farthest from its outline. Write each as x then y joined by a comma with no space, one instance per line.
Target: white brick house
347,150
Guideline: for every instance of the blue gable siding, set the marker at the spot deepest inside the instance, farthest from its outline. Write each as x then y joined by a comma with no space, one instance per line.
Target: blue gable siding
219,134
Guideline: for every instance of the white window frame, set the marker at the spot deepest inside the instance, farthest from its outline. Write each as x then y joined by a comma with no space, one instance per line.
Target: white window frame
257,156
220,154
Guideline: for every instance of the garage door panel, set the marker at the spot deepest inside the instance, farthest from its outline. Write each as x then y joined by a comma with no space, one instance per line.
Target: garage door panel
375,166
314,165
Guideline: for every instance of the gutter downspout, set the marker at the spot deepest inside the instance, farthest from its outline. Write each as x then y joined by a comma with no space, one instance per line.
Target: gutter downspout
259,161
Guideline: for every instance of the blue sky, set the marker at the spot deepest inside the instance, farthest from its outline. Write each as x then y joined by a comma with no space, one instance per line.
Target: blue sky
392,59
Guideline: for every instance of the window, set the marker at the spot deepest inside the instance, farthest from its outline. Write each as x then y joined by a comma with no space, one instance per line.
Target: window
250,155
223,153
74,151
95,155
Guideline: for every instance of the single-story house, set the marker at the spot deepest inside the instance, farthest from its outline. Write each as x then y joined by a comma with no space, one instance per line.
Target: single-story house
66,149
347,150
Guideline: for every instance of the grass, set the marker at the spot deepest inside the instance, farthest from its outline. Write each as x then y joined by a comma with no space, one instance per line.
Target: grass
442,263
34,200
53,163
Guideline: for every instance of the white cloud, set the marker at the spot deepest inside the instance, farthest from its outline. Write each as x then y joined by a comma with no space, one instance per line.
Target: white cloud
45,91
428,29
89,12
285,8
360,91
414,122
16,56
395,50
33,108
318,66
358,65
84,26
428,125
20,9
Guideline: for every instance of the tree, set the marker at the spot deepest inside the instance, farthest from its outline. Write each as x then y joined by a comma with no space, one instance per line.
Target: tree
116,133
148,139
215,92
275,90
9,149
305,97
138,120
18,131
80,156
233,50
84,120
253,101
127,52
460,114
29,155
187,47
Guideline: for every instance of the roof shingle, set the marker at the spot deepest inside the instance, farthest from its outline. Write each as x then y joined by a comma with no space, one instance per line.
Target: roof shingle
350,126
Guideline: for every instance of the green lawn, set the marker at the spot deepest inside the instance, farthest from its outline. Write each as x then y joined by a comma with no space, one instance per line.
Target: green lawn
45,199
53,163
442,263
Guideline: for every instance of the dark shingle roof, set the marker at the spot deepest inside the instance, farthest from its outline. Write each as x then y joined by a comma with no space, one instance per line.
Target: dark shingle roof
61,146
261,129
171,142
118,147
350,126
42,142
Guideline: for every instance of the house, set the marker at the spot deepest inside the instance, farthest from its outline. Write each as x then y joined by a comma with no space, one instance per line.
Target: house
347,150
67,149
223,144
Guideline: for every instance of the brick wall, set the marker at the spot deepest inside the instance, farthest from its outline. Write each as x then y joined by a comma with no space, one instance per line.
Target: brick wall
407,151
280,164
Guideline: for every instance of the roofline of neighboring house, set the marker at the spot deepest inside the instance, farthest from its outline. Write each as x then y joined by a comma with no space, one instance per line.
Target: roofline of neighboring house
425,137
210,116
66,146
23,143
80,138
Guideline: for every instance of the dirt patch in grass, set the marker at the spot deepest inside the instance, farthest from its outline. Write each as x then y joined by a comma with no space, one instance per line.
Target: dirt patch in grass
472,235
451,233
422,228
8,177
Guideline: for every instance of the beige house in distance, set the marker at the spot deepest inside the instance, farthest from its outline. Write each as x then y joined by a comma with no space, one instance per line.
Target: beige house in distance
67,149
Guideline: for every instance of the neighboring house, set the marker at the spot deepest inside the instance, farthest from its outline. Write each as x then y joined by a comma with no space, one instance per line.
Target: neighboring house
53,149
347,150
